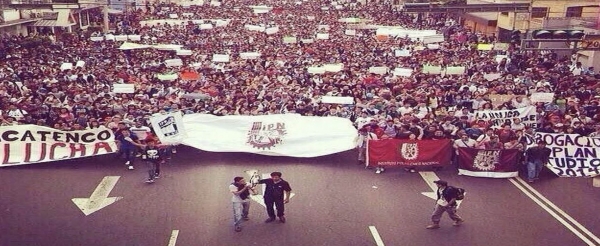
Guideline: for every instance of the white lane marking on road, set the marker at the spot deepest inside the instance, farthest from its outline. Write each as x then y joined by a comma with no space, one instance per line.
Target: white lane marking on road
99,198
596,181
559,210
173,239
429,177
530,191
376,236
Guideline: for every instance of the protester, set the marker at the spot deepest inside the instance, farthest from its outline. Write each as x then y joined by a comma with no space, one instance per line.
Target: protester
152,154
277,193
536,157
446,202
127,146
241,201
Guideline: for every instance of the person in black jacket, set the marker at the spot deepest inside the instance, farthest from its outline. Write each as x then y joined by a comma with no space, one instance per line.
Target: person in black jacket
277,193
446,202
536,157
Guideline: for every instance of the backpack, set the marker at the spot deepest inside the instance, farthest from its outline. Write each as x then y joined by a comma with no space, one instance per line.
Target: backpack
460,193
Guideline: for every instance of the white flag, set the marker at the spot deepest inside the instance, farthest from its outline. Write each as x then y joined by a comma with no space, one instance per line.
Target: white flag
169,128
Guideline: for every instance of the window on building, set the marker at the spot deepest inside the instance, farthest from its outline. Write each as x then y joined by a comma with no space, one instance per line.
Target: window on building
539,12
574,11
504,13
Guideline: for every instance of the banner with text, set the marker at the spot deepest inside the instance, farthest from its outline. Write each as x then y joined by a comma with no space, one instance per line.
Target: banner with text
396,152
497,118
572,155
489,163
27,144
169,127
275,135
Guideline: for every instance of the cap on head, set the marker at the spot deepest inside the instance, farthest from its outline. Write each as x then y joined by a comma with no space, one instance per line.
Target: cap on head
542,142
441,182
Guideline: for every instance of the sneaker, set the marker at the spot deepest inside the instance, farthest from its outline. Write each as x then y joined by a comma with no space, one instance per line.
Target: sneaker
269,220
174,151
433,226
530,181
238,228
150,181
458,222
156,176
413,170
127,163
378,171
130,167
246,218
282,219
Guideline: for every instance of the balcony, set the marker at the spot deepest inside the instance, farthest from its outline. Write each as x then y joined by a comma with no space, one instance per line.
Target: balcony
42,4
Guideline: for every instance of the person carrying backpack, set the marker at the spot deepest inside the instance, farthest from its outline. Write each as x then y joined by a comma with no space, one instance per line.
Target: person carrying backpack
446,202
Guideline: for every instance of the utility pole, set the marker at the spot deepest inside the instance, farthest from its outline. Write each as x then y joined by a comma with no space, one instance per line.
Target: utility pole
105,17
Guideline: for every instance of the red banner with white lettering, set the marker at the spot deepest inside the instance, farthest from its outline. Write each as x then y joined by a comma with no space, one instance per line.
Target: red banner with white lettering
397,152
489,163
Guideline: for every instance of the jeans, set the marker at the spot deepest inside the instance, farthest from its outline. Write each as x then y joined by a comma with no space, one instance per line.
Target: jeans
269,202
240,211
533,169
129,155
439,210
153,169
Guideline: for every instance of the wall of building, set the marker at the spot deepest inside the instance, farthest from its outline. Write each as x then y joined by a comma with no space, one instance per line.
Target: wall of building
478,27
10,14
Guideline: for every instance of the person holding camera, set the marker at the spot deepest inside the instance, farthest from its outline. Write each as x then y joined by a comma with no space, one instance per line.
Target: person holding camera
241,201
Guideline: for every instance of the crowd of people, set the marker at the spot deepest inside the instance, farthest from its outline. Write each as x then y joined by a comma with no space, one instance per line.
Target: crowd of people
35,90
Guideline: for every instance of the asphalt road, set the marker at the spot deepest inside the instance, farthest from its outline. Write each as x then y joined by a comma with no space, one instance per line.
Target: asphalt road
335,202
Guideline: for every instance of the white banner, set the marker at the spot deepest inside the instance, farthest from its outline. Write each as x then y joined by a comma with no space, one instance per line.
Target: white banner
169,127
124,88
497,118
337,100
27,144
274,135
546,97
572,155
438,38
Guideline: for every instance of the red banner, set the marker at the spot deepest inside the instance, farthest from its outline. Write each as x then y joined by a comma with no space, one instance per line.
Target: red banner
489,163
396,152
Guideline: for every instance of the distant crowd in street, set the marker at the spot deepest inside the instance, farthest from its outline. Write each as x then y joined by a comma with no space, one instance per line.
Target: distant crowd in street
35,90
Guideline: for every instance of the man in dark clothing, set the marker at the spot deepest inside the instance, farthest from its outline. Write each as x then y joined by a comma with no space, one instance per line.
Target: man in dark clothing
446,202
536,158
277,193
127,147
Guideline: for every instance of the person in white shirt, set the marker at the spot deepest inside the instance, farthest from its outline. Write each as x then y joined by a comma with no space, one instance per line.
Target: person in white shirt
463,142
405,109
240,199
520,102
140,130
364,135
16,113
517,125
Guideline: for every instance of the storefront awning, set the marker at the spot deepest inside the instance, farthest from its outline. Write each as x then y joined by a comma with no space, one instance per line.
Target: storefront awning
51,23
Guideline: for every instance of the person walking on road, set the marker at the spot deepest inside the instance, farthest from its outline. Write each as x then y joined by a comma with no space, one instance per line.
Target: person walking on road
152,154
536,157
446,202
127,143
240,200
277,192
